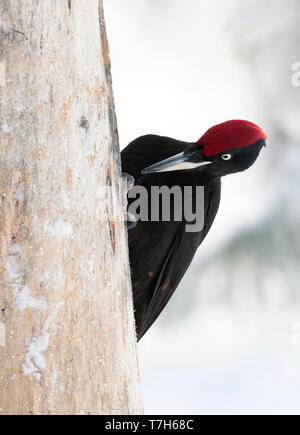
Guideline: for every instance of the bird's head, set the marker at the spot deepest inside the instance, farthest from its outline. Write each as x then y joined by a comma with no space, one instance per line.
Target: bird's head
230,147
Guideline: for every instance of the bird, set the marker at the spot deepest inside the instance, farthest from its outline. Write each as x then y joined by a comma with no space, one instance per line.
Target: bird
160,252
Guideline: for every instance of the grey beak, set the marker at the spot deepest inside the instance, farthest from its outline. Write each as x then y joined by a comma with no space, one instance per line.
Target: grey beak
180,162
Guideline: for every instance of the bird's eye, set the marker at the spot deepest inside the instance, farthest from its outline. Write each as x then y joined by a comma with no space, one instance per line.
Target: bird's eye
226,157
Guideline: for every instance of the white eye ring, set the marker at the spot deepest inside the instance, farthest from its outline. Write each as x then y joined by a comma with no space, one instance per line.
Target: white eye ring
226,157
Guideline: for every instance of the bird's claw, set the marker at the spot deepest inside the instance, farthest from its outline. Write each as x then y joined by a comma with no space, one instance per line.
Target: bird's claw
127,184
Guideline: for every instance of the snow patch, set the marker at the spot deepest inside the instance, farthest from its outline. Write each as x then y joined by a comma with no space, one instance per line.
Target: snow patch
19,108
20,192
34,361
23,299
60,229
5,28
53,380
13,262
22,294
45,276
5,128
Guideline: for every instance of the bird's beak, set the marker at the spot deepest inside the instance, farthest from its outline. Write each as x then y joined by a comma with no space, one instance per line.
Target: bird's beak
180,162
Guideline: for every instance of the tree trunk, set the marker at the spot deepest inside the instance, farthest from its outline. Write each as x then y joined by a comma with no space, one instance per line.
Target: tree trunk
67,337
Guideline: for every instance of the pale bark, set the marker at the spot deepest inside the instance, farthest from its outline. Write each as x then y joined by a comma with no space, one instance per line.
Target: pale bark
69,344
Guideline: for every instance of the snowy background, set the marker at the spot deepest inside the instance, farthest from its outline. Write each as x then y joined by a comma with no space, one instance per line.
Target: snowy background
229,340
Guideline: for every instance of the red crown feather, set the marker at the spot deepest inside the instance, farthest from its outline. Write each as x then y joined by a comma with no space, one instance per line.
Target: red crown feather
229,135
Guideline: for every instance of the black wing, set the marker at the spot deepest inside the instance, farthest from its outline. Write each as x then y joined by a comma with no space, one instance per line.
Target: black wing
161,252
173,268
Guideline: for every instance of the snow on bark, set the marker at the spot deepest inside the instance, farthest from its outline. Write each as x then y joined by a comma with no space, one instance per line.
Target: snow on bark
67,340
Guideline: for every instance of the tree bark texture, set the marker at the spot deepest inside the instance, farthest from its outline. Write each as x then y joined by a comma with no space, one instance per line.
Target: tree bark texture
67,335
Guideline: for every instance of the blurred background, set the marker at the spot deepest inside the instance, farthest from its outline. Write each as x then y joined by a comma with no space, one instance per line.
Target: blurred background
229,340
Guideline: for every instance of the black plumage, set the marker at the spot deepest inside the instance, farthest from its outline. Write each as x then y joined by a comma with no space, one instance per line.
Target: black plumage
160,252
